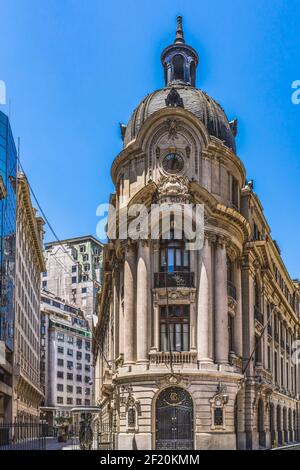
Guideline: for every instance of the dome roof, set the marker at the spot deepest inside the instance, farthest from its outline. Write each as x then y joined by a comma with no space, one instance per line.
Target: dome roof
194,100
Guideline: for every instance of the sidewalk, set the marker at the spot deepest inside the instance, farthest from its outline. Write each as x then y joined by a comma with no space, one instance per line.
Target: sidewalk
52,444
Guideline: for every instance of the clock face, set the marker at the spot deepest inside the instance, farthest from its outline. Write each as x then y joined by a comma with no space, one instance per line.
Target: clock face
173,163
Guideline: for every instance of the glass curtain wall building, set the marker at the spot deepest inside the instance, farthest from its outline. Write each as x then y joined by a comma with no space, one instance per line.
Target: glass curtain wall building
8,172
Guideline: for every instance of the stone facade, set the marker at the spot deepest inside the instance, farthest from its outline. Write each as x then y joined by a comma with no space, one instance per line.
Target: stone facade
29,266
193,350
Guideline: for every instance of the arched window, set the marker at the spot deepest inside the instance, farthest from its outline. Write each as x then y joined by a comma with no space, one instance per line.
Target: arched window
193,73
178,67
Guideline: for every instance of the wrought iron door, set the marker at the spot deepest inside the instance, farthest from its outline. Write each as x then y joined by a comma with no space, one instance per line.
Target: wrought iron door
174,420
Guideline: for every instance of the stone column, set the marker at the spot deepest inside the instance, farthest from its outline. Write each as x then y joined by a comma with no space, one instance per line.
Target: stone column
238,321
143,263
204,304
129,304
121,311
221,307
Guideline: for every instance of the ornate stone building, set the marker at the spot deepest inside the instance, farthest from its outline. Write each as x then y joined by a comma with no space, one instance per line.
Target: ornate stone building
29,266
193,349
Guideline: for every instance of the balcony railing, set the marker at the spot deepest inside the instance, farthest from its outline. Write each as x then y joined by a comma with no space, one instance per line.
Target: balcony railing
231,290
258,315
174,279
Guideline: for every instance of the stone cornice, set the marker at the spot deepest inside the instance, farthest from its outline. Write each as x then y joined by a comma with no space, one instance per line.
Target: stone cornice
34,222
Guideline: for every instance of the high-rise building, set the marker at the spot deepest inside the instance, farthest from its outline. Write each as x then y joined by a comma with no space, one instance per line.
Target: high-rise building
66,362
194,347
8,170
73,271
29,266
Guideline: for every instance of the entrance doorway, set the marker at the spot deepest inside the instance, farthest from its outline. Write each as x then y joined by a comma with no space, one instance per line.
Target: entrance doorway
174,420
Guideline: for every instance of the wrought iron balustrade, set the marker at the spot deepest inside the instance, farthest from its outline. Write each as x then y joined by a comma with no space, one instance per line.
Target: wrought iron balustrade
174,279
231,290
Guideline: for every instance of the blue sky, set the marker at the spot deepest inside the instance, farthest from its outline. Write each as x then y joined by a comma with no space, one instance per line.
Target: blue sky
75,69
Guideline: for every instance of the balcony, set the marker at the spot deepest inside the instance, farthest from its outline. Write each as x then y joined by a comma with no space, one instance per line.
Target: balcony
231,290
174,279
258,315
178,357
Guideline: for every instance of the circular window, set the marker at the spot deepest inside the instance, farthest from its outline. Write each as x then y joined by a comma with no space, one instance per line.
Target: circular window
173,163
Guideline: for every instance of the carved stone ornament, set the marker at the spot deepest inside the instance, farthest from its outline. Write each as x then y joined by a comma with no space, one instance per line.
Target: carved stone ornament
173,99
172,128
173,186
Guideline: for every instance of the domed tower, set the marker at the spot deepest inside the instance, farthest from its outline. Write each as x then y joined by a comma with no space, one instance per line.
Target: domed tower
169,340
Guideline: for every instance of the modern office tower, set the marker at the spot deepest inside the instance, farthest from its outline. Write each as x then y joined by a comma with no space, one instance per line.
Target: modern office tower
8,171
73,271
66,363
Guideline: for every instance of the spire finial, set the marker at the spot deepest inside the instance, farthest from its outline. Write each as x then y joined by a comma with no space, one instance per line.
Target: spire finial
179,32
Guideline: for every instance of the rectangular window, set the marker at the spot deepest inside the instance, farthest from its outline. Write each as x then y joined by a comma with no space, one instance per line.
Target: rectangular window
69,376
269,358
231,332
74,269
60,349
60,337
174,328
79,343
79,366
87,346
79,378
82,249
70,388
78,355
70,352
79,390
86,379
70,339
69,401
60,387
60,374
87,402
74,279
60,362
69,364
87,391
78,401
83,290
87,357
257,350
60,400
276,367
